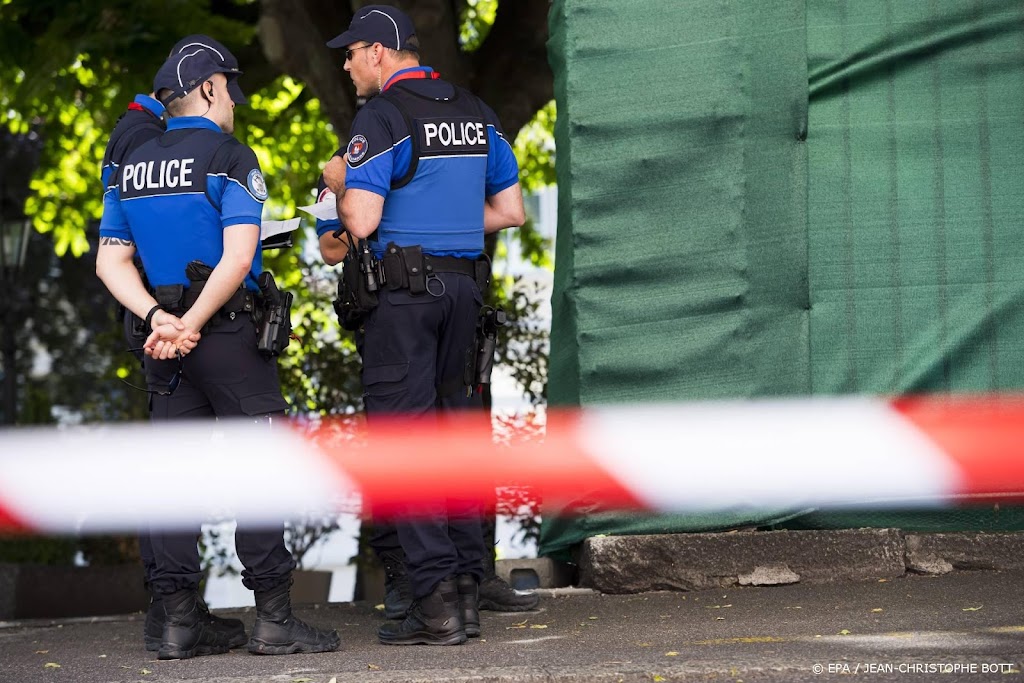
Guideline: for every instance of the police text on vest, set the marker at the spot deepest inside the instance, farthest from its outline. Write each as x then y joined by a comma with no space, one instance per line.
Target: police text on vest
450,133
146,175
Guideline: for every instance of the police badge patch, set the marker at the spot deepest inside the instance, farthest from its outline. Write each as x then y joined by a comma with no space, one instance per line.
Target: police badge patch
257,186
357,147
326,195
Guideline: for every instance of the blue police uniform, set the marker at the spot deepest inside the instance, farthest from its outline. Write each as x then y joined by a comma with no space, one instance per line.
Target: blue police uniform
173,197
435,153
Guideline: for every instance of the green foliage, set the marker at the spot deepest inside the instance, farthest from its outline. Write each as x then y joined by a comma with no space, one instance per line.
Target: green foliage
477,19
303,535
56,550
68,71
535,150
110,550
522,346
217,558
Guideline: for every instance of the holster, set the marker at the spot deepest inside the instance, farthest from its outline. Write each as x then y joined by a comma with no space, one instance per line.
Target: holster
275,322
355,300
482,268
171,298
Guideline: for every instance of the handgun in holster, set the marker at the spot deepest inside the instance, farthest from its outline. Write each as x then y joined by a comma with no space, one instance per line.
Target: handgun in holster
486,342
275,328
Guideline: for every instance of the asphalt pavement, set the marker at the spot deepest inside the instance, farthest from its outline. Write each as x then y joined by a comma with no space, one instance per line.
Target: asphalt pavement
963,626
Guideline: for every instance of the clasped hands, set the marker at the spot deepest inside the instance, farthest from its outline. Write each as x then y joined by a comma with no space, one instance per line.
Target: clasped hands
170,335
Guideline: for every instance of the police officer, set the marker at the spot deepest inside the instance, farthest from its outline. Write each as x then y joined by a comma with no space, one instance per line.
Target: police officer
427,172
143,121
196,194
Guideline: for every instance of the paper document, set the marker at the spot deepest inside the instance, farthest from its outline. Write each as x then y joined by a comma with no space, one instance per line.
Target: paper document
325,211
271,228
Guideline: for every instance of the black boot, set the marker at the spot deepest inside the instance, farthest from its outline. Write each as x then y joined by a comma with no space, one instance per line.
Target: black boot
432,620
469,595
153,631
397,588
279,632
496,595
188,630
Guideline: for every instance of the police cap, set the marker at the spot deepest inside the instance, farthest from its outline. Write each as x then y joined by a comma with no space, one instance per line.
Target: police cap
222,54
389,26
183,72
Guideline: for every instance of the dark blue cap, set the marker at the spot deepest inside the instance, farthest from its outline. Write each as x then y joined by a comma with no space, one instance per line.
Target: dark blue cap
389,26
221,54
184,71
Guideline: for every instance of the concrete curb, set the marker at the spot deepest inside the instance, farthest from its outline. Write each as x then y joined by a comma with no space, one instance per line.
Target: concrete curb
635,564
964,550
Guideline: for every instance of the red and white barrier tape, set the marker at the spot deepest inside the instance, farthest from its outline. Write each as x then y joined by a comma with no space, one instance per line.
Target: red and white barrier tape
699,456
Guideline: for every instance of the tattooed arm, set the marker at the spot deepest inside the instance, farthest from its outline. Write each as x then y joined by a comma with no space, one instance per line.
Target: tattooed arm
115,268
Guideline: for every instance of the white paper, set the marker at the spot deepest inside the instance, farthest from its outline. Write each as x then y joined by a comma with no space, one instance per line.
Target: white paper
325,211
271,228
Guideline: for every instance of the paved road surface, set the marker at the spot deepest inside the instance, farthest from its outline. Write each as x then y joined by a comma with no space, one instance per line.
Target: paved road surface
965,626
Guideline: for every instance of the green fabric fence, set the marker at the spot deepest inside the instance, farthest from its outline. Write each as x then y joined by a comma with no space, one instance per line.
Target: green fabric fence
786,198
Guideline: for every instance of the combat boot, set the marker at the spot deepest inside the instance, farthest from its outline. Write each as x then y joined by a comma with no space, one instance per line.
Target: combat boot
279,632
469,595
496,595
153,630
397,587
432,620
188,629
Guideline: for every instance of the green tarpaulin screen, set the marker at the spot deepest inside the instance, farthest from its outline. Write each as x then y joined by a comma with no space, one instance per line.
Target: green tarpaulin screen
786,198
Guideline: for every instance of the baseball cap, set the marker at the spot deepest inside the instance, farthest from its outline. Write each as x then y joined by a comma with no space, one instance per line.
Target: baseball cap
222,54
183,72
389,26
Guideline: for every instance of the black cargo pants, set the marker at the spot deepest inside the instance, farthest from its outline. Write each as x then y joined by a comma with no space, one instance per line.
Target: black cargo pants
224,376
411,345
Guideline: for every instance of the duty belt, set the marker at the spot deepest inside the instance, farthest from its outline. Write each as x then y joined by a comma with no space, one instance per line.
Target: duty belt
242,301
176,299
432,264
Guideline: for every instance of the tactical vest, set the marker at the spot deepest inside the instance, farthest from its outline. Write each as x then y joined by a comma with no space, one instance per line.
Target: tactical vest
170,190
439,203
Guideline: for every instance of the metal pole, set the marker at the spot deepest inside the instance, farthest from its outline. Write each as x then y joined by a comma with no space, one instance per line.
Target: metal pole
10,347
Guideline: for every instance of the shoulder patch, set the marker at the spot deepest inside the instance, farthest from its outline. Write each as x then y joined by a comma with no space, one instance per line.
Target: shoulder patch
257,185
357,147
